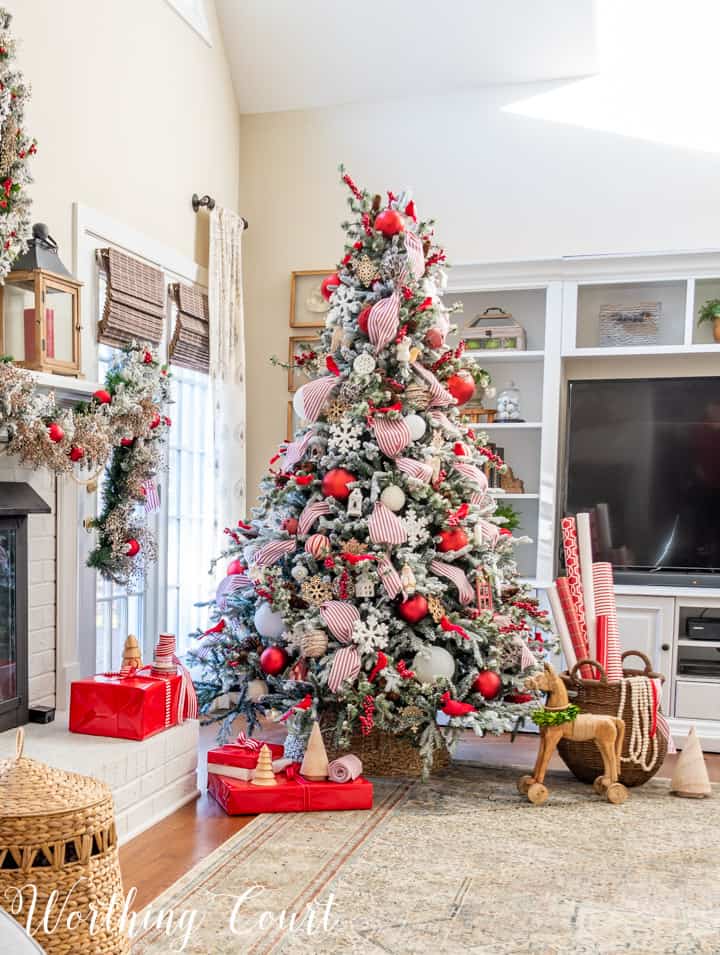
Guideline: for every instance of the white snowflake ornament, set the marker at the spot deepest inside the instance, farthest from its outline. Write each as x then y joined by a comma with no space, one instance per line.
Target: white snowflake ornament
364,364
344,436
416,527
370,634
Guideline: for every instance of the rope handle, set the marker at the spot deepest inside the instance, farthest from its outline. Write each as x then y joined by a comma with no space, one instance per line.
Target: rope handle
19,742
648,672
593,663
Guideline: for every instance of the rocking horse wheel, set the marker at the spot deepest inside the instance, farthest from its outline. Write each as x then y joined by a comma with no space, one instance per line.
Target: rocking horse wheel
601,785
537,794
616,794
524,784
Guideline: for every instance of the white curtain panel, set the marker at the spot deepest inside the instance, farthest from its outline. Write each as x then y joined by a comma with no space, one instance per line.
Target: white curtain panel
227,366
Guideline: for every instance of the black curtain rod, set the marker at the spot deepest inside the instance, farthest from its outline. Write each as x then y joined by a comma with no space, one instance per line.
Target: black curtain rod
200,202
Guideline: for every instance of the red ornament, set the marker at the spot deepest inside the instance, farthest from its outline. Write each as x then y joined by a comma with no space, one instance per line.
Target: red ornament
147,358
413,609
76,454
155,421
166,421
461,386
126,442
273,660
132,547
519,698
102,397
290,524
389,222
453,538
335,484
55,432
505,532
333,279
363,319
235,567
488,683
435,338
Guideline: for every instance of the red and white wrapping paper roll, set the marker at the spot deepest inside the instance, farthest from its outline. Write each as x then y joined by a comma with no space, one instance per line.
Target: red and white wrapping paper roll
586,575
573,624
602,640
345,769
572,567
562,627
604,590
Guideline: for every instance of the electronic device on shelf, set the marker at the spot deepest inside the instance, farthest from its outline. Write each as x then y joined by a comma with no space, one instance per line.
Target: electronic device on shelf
705,668
703,628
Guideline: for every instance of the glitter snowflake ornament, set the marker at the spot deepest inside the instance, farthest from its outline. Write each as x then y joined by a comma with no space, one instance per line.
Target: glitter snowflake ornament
370,634
345,435
416,527
365,270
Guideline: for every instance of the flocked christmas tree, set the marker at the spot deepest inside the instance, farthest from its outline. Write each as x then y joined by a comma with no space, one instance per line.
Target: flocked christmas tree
373,586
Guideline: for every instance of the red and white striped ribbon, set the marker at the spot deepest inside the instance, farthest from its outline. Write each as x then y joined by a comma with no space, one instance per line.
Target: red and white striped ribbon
604,591
477,498
340,617
271,552
439,397
457,576
345,668
295,451
392,435
152,498
187,701
246,742
440,420
527,658
315,394
662,724
310,514
490,532
416,257
230,585
419,470
572,569
383,321
384,527
472,474
390,577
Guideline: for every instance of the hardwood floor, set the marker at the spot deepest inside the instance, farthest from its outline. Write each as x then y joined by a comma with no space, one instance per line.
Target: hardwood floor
161,855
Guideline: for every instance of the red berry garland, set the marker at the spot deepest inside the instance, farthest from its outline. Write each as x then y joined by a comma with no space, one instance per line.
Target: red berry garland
367,722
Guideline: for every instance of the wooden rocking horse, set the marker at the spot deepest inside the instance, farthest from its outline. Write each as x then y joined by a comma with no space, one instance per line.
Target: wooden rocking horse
561,718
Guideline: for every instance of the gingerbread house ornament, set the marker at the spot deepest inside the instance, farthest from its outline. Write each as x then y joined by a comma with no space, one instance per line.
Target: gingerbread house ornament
355,503
483,593
364,586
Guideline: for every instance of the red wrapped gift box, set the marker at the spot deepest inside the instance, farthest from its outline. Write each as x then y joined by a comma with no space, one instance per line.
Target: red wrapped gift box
239,798
238,760
133,707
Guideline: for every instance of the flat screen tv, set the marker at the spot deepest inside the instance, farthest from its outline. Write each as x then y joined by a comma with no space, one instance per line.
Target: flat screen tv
643,456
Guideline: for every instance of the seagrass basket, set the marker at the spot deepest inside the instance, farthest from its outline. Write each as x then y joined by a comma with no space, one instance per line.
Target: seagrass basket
610,699
57,834
383,754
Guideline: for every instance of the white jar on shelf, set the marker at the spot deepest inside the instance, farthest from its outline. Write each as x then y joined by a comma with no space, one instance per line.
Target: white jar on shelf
508,404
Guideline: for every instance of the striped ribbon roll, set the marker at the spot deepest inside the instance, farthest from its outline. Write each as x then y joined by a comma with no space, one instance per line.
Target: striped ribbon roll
390,577
572,569
604,591
472,474
439,397
490,532
384,527
419,470
392,435
311,513
383,321
340,617
440,420
457,576
271,552
295,451
315,394
416,257
230,585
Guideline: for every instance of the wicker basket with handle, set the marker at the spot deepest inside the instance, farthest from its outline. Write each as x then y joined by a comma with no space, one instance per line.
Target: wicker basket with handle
612,699
57,834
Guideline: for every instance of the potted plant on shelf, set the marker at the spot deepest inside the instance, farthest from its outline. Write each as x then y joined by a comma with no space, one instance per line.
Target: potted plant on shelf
710,312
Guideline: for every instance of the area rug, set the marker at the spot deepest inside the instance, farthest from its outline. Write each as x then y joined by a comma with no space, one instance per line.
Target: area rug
459,864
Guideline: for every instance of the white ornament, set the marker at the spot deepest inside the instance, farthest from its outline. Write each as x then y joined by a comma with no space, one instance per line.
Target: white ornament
431,663
299,572
415,528
355,503
370,634
268,623
393,497
344,436
364,586
402,352
364,364
416,426
256,689
299,403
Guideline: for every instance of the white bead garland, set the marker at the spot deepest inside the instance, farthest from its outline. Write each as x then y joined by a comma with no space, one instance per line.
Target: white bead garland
640,745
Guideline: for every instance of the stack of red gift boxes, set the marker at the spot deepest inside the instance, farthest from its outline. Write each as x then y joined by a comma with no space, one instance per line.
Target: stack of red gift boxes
252,777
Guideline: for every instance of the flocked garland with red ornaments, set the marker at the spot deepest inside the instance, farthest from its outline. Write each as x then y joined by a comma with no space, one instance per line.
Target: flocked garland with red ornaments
123,427
16,147
374,586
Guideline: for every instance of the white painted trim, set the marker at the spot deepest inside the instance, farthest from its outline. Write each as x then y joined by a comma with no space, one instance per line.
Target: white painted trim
166,811
689,313
548,484
67,584
195,15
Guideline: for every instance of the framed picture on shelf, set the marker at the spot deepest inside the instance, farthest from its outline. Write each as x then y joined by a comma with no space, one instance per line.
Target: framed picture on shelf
292,422
300,346
622,325
307,305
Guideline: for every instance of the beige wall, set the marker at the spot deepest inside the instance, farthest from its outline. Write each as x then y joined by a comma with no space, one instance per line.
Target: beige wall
132,111
501,186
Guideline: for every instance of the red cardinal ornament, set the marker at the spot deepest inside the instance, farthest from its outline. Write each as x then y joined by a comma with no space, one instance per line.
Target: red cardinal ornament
413,609
76,454
329,280
55,432
389,222
147,358
126,442
218,628
381,663
452,707
488,683
335,484
102,397
461,386
304,704
234,567
273,660
363,319
155,423
132,547
519,698
452,538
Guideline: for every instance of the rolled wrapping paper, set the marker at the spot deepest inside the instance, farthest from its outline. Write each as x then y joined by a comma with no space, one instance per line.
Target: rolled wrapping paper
344,769
572,568
562,627
604,590
586,574
579,643
602,638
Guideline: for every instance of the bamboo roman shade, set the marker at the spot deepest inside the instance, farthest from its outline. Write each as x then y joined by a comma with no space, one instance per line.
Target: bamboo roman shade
190,344
134,302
